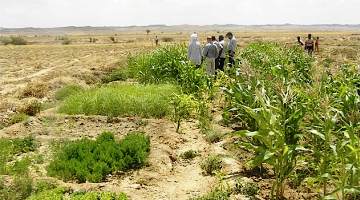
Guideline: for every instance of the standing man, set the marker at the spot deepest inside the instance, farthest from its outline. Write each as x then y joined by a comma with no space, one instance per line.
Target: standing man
210,53
194,50
317,42
156,41
222,55
219,48
309,45
231,48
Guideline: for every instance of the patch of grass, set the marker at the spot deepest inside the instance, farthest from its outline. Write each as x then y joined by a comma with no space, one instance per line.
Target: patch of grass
216,194
67,91
189,155
212,136
18,117
19,189
31,108
211,165
99,196
246,188
9,148
88,160
60,194
122,100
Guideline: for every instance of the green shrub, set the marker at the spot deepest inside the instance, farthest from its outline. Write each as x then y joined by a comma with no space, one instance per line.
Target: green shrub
99,196
183,107
188,155
246,188
88,160
121,100
53,194
211,165
67,91
18,117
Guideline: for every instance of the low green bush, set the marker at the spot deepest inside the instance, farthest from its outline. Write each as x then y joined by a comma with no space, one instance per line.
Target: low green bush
188,155
121,100
89,160
67,91
99,196
211,165
215,194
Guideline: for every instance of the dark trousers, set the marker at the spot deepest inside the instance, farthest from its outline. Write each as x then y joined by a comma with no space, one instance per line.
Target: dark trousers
231,59
220,62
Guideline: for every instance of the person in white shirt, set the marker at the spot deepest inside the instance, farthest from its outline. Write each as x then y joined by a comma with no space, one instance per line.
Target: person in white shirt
219,48
210,53
195,51
222,56
231,48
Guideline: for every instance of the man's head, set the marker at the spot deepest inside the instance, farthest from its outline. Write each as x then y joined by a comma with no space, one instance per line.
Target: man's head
213,38
317,38
309,36
298,38
221,38
229,35
208,39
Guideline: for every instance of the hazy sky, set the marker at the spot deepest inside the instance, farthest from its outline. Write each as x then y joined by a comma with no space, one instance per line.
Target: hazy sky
51,13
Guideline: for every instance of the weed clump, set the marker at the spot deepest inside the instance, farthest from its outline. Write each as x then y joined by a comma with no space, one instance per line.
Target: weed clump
88,160
246,188
215,194
37,90
31,108
211,165
121,100
189,155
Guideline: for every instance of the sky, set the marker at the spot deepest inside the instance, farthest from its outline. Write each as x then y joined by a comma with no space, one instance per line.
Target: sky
58,13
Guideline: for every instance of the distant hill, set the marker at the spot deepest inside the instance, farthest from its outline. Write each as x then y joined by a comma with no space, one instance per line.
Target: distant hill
176,28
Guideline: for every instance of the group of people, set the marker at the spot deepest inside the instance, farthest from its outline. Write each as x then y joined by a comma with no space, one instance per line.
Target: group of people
214,52
310,45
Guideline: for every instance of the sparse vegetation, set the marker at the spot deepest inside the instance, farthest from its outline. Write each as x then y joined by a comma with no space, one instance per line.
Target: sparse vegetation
88,160
189,155
14,40
18,117
211,165
31,108
35,89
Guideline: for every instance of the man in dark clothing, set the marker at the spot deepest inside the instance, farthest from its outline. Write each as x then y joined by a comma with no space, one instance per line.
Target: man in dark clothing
309,45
